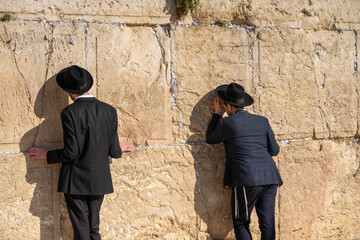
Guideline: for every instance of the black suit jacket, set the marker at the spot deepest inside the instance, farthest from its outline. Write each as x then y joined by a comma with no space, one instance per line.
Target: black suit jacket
249,144
90,136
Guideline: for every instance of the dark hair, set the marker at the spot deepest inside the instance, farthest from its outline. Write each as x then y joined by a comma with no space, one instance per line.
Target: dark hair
234,106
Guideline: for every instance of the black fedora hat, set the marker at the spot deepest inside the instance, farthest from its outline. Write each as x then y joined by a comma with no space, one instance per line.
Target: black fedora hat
74,79
234,94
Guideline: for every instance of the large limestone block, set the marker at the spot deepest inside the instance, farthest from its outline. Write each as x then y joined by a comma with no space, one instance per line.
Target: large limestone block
135,12
320,197
310,14
31,54
170,192
305,83
204,58
19,84
28,202
133,75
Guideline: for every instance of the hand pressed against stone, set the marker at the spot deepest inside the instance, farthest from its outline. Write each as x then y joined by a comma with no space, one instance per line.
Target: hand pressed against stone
37,153
125,147
218,106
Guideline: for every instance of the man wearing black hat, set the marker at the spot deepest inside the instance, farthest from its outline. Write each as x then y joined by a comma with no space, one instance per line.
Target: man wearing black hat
90,136
250,170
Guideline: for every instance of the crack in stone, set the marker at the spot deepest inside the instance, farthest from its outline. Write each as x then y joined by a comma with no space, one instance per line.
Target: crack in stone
162,49
159,43
324,81
326,122
18,69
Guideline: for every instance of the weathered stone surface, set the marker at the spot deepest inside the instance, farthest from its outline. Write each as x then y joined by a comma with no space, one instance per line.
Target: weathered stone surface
275,13
305,83
204,58
319,198
26,203
135,12
18,83
33,52
167,192
357,72
133,75
302,73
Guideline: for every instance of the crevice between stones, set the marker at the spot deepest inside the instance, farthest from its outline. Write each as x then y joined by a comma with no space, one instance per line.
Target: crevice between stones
96,67
357,84
249,30
86,30
173,89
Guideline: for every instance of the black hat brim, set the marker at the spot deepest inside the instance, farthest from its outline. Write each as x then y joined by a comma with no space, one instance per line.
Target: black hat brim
220,92
60,81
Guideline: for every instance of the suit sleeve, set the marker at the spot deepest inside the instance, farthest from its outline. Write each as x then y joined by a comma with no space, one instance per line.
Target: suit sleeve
273,146
71,151
214,133
115,150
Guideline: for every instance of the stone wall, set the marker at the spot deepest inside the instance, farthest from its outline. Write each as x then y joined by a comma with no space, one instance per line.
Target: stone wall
298,59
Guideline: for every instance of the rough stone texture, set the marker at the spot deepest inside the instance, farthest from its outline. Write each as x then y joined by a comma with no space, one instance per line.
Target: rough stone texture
133,75
169,193
27,199
203,58
306,75
302,73
138,12
327,14
320,179
357,71
33,52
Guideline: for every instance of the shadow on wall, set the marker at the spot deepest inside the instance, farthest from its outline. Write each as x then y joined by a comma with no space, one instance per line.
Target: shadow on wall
170,8
49,102
212,201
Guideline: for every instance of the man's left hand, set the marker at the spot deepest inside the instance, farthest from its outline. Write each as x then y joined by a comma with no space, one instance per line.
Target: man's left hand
37,153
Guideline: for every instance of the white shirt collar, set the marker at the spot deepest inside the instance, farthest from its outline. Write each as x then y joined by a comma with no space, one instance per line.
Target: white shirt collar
84,96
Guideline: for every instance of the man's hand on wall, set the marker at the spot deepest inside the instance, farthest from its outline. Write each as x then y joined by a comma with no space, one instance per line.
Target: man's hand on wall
37,153
218,103
125,147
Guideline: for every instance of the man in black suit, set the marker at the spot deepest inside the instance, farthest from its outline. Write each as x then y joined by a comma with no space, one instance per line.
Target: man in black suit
250,170
90,136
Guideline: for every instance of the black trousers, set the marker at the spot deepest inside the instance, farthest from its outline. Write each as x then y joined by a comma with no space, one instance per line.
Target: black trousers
84,212
263,199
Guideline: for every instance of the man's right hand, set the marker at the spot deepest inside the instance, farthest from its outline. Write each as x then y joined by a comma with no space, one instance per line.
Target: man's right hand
218,103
